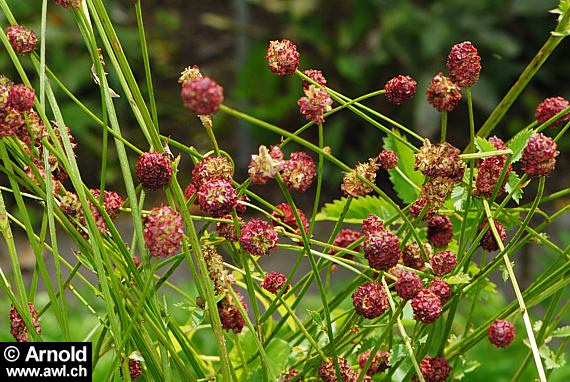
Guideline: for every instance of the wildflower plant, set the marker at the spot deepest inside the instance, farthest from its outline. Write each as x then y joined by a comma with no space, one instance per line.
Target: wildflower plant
414,261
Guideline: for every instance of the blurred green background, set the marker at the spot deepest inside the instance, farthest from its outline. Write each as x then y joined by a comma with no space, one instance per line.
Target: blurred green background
358,45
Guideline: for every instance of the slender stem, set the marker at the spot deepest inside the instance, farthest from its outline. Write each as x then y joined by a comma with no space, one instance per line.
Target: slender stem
443,126
512,278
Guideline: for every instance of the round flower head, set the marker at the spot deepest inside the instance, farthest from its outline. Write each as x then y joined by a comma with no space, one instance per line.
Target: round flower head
443,262
18,328
227,230
412,255
163,232
202,95
230,314
217,197
135,369
434,369
315,104
488,241
112,203
210,168
418,206
22,39
282,57
372,225
315,75
441,160
440,231
501,333
400,89
549,108
353,186
33,132
464,64
68,3
435,191
443,94
21,98
408,285
345,238
490,170
154,170
382,250
380,361
327,371
441,289
288,217
388,159
258,237
298,172
539,156
426,306
370,300
265,165
10,121
274,282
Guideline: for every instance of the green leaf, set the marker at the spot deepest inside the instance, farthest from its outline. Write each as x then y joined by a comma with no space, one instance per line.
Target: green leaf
484,145
518,143
561,332
511,183
398,353
464,367
406,191
359,209
458,197
460,278
551,359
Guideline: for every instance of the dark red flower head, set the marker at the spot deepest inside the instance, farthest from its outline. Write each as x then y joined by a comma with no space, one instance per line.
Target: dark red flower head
388,159
258,237
202,95
22,39
217,197
539,156
400,89
298,172
408,285
549,108
426,306
440,231
282,57
154,170
441,289
464,64
315,75
18,328
443,94
327,371
274,283
370,300
501,333
163,232
488,241
382,250
434,369
379,363
288,217
443,262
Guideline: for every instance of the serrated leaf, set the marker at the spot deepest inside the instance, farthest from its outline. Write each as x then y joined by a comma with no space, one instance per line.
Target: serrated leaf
458,197
460,278
518,143
484,145
465,367
551,359
537,325
359,209
561,332
405,191
398,353
511,184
